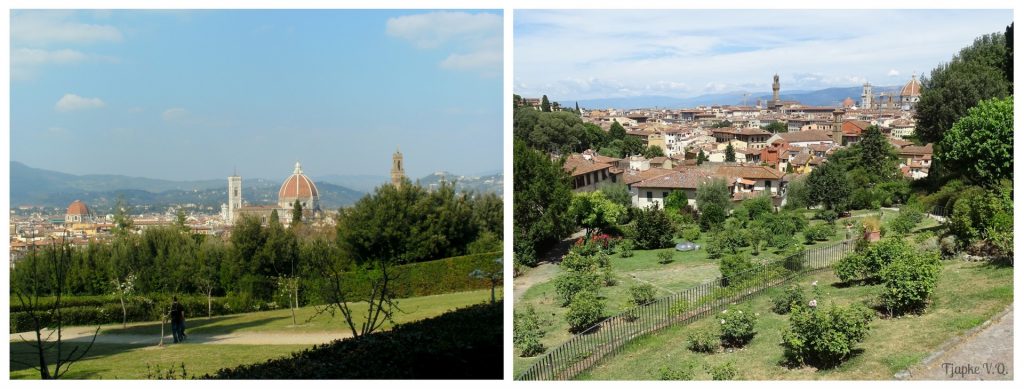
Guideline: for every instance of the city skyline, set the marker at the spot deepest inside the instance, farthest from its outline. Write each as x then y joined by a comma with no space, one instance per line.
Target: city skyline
192,95
620,53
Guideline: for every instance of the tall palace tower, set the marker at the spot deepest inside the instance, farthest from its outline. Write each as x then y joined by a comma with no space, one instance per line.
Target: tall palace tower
397,171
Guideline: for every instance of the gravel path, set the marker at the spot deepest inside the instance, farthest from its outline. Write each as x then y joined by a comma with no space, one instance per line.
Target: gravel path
84,334
985,354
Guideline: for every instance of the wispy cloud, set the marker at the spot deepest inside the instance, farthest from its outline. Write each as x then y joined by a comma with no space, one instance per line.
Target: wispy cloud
72,102
893,73
616,53
174,114
43,28
473,40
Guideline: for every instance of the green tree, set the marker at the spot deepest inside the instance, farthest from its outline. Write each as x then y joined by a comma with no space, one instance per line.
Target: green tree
541,204
296,213
592,211
775,127
676,201
653,229
976,73
877,156
545,105
616,192
653,151
632,146
180,222
712,203
123,223
730,153
701,157
979,147
828,185
617,131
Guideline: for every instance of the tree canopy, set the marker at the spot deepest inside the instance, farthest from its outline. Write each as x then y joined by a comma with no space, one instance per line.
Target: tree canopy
979,147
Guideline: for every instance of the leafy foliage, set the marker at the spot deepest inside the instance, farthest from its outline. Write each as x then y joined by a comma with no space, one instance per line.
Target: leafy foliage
737,326
713,204
735,269
652,229
702,342
641,294
909,281
585,310
593,211
526,333
824,337
829,186
569,284
542,199
973,75
724,372
978,146
792,297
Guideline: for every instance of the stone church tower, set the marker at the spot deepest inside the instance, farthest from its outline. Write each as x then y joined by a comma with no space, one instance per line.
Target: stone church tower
234,196
397,171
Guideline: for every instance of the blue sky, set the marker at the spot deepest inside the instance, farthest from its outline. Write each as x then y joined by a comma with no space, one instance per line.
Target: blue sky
194,94
586,54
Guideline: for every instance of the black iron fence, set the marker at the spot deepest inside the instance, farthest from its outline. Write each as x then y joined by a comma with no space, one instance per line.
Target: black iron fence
607,337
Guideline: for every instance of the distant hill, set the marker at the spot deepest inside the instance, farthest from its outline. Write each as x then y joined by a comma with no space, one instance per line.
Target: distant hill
822,97
40,187
482,184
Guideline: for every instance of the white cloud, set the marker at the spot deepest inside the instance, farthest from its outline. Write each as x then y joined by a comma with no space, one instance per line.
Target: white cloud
73,102
52,27
23,56
703,51
473,40
174,114
432,30
893,73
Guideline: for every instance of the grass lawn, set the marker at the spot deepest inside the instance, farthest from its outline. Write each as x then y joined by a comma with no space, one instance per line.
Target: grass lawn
138,361
413,308
116,361
967,295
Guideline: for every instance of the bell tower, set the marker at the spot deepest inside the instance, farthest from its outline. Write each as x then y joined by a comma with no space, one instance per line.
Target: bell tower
775,91
234,196
397,170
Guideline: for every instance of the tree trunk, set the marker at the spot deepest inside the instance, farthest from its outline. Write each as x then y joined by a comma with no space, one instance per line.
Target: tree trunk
294,301
124,312
209,303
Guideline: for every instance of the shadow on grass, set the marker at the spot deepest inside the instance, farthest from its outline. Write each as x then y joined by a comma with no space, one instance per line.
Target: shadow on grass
24,356
198,326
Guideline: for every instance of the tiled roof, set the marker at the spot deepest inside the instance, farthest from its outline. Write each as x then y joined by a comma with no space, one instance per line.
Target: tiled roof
576,165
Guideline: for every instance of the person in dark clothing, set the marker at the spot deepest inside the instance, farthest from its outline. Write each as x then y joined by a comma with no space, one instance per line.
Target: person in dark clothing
177,321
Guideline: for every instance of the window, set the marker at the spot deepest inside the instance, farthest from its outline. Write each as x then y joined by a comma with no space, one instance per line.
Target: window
768,185
650,196
664,195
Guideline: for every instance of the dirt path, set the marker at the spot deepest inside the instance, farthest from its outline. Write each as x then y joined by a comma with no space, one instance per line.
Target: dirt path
548,266
543,272
984,354
84,334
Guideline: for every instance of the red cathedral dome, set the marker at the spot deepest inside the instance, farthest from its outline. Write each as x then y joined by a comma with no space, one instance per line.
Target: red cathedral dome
298,187
912,88
78,208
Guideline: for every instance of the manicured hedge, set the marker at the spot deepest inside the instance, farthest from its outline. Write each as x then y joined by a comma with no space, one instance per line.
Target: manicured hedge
461,344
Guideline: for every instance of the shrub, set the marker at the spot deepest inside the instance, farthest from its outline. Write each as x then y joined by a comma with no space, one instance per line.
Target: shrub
821,232
852,267
737,327
794,295
714,246
577,262
585,310
626,248
571,283
608,277
824,337
526,332
723,372
525,253
641,294
652,229
665,256
702,342
691,233
828,215
735,269
794,262
909,282
683,373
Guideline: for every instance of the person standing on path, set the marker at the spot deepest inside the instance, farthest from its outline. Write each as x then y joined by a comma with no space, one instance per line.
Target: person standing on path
177,321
